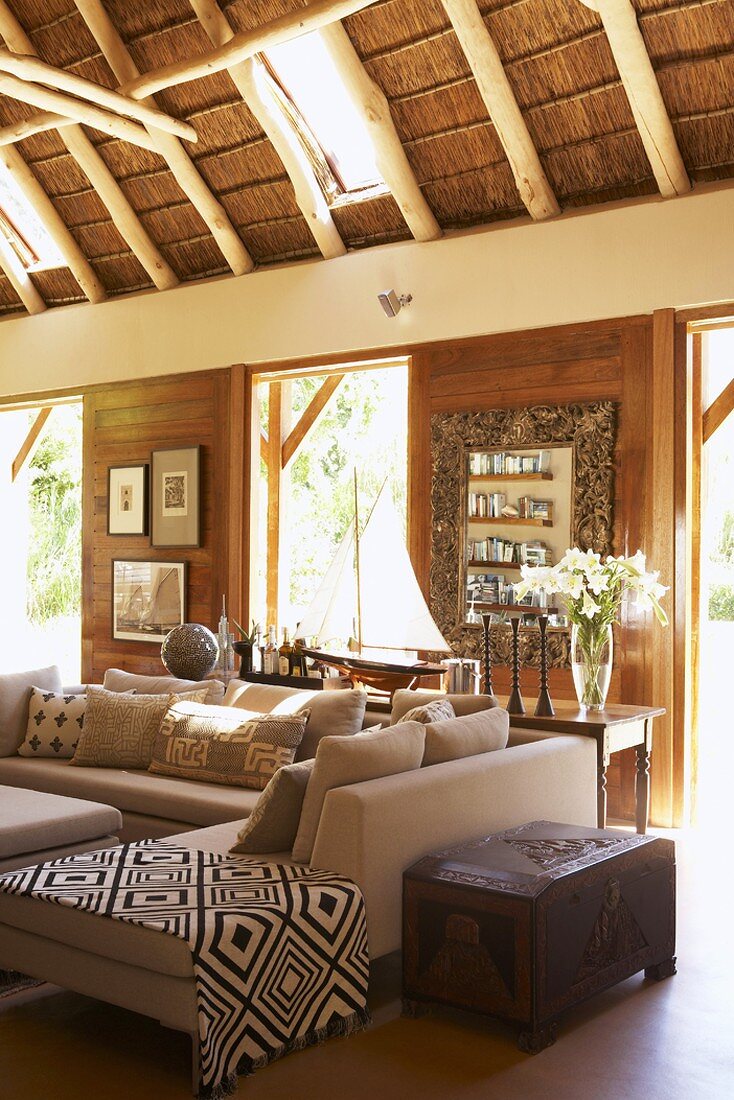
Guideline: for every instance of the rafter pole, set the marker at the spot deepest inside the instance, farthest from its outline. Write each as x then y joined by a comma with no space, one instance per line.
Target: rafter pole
31,68
309,418
183,168
246,44
390,155
619,19
91,163
499,99
36,124
80,266
65,105
252,83
31,441
19,278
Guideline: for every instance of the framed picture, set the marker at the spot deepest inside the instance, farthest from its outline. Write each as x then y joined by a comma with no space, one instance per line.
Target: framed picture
175,496
148,599
127,500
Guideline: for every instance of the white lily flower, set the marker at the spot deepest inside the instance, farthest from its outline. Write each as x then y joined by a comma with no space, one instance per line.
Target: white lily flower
573,559
636,564
590,607
597,581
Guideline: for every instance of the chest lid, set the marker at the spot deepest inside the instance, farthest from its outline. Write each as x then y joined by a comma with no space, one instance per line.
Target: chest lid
525,860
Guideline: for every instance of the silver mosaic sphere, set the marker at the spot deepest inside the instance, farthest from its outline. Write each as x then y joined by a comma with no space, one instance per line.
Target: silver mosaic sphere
190,651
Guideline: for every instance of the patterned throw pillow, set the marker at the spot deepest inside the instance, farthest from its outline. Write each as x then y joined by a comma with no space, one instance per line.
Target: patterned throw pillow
119,730
273,824
221,745
438,710
55,723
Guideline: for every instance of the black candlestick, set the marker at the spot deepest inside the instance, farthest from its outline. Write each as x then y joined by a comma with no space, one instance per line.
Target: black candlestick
515,704
544,706
486,620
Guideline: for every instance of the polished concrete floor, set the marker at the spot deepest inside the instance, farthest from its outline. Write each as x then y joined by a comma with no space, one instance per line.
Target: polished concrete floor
639,1041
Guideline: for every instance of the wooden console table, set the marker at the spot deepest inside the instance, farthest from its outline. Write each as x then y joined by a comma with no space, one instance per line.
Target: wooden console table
615,728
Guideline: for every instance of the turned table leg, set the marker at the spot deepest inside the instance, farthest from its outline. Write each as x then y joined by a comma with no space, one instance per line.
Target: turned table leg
642,787
601,785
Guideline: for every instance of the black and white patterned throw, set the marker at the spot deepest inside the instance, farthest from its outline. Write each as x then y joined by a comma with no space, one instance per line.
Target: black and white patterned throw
279,953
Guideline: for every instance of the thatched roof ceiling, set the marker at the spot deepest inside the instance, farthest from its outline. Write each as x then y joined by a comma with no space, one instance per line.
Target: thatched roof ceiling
556,56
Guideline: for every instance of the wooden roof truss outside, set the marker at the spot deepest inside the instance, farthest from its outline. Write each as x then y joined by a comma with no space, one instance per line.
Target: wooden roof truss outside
492,120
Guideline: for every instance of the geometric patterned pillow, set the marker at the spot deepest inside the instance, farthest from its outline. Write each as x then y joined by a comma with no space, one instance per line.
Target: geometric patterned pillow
55,723
222,745
119,730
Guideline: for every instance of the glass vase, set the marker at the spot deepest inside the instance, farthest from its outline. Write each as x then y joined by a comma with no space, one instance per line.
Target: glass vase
592,646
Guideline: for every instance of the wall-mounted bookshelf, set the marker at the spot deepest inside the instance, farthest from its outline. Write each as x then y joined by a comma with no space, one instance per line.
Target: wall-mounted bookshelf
509,521
547,476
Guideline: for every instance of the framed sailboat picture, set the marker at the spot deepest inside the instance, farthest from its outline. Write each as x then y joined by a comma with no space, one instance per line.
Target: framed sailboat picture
148,599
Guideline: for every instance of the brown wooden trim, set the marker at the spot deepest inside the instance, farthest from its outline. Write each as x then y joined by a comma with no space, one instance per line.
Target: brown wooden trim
681,590
275,435
419,469
30,442
695,315
237,493
70,395
718,411
694,503
88,539
661,552
251,470
309,417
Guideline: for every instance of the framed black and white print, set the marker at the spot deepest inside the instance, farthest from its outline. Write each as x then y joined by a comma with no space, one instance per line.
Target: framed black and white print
175,507
127,500
148,599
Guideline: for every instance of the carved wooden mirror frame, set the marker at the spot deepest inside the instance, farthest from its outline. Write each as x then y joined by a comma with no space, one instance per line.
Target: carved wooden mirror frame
590,429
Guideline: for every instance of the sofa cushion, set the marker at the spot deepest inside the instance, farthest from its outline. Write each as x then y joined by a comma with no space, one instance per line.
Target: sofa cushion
337,713
133,791
55,723
119,729
224,745
32,820
15,693
469,735
353,759
404,699
437,710
116,679
273,824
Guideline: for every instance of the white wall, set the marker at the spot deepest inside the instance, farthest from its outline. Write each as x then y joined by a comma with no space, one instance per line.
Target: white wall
613,261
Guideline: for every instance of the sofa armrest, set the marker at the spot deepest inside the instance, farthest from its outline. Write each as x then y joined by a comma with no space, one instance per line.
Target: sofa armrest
371,832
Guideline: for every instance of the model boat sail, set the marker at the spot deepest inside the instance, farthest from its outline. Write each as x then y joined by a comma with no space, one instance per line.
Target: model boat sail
371,591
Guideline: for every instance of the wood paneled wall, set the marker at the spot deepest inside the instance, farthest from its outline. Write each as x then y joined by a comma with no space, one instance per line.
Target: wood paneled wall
124,423
618,360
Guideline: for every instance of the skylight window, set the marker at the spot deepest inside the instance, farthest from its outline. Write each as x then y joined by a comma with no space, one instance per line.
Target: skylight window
307,75
23,229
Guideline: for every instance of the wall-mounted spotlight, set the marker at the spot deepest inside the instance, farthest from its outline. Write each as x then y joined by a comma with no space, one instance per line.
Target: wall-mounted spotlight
392,303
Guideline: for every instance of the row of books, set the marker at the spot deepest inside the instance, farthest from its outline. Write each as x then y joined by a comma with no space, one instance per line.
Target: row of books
488,505
531,508
491,588
504,550
499,462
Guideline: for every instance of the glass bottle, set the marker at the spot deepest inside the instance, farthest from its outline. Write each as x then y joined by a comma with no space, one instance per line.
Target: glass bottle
285,655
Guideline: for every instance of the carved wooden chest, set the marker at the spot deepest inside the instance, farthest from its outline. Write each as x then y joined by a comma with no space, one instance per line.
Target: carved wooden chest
530,921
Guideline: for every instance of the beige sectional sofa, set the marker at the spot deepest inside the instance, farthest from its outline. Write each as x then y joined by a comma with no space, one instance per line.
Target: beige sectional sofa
369,831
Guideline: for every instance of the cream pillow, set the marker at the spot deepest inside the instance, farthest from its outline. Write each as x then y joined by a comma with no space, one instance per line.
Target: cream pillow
404,700
354,759
337,713
117,679
119,729
223,745
273,824
436,711
469,735
55,724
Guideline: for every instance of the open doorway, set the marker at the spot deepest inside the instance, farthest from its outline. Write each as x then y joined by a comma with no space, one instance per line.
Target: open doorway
713,366
41,551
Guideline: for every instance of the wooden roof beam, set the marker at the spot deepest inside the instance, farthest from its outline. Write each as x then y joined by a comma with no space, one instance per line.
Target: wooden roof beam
73,256
167,146
317,14
390,155
64,105
36,124
499,99
264,106
619,20
19,278
94,167
28,67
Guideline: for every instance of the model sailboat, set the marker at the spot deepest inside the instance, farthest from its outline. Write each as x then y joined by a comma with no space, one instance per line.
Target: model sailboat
370,593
